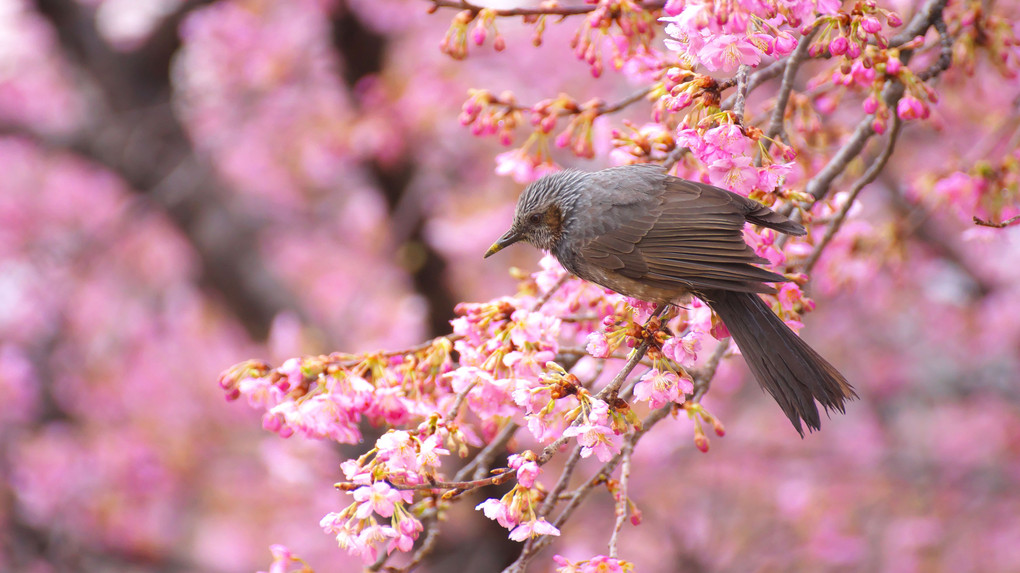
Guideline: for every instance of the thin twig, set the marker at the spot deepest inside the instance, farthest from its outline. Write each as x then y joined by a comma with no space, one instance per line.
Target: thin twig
1000,225
454,410
632,98
919,24
479,466
635,356
703,378
552,498
561,484
548,294
503,475
872,172
818,186
757,79
610,389
622,497
945,52
675,156
552,11
738,105
423,551
775,128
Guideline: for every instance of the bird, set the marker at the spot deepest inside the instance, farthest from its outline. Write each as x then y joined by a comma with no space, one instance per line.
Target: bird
649,235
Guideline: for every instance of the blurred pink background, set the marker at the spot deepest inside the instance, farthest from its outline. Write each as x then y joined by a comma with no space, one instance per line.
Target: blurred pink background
185,185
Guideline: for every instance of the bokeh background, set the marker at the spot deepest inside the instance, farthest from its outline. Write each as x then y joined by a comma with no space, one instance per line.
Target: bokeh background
185,185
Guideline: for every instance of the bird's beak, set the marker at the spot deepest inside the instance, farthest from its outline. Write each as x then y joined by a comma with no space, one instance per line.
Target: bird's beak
508,238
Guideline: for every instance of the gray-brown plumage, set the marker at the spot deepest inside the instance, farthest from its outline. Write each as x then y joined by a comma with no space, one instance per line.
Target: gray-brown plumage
649,235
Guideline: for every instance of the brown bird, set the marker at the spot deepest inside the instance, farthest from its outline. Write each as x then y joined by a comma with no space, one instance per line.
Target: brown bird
646,234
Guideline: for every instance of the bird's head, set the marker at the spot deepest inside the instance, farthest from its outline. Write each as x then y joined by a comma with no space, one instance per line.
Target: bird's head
542,212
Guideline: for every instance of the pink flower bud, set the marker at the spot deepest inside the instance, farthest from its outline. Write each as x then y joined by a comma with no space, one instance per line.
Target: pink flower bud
785,43
893,19
499,44
838,46
892,67
701,441
909,107
878,125
478,34
871,24
870,104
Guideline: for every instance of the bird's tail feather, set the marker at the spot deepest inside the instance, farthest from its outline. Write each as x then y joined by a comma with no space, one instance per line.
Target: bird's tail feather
790,370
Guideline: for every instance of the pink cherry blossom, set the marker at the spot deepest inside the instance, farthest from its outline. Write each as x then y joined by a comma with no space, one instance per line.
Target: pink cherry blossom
498,511
909,107
527,470
597,344
379,497
683,349
533,528
727,52
594,435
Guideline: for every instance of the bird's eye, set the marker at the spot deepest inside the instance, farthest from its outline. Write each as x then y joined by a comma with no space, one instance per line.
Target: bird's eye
535,218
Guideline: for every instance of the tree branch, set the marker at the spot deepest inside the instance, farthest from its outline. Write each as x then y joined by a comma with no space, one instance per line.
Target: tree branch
870,175
551,11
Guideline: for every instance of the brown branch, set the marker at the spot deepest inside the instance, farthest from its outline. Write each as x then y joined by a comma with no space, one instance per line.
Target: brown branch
601,109
818,186
703,378
741,96
631,99
480,464
635,357
561,484
756,80
552,290
458,487
622,496
945,52
790,70
551,11
919,24
1000,225
870,175
423,551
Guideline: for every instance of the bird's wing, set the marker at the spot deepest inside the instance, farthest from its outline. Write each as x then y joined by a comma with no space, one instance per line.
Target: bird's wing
690,238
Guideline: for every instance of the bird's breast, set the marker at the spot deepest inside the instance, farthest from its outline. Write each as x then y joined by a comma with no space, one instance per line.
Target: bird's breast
614,281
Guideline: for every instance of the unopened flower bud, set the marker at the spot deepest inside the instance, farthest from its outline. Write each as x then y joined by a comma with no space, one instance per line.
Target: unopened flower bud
870,24
838,46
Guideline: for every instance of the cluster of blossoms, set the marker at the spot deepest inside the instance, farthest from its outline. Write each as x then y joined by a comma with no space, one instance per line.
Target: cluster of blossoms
502,367
536,360
724,36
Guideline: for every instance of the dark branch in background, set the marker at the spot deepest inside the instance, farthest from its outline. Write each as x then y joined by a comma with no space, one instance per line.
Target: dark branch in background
363,52
926,17
819,185
870,175
135,134
916,222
